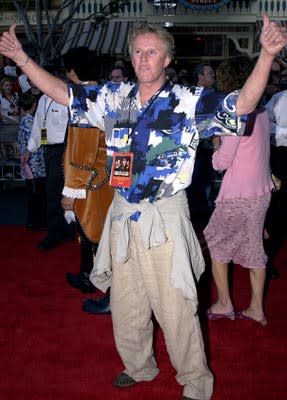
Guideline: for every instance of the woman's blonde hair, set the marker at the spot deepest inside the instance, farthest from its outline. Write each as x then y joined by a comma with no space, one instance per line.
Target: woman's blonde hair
232,74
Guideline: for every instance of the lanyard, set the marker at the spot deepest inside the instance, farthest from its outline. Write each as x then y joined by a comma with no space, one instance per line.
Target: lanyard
150,103
47,110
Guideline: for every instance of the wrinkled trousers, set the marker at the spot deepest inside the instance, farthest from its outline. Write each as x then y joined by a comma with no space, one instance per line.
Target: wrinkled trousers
141,286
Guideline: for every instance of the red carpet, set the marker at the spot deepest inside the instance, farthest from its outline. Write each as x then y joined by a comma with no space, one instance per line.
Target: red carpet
51,350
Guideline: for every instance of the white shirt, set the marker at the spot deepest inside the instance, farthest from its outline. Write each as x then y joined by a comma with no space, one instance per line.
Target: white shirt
10,70
7,107
23,82
277,110
52,116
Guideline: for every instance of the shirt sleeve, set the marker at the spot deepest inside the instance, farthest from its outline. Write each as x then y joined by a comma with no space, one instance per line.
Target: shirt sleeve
277,116
224,156
270,108
218,116
85,105
35,139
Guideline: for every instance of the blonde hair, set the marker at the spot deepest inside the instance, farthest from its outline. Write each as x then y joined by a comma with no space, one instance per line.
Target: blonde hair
232,74
143,28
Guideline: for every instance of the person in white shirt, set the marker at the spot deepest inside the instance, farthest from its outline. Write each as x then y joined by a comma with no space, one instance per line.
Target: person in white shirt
276,107
49,129
9,102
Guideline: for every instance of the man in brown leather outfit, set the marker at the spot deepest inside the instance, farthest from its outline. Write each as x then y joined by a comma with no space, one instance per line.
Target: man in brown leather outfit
86,191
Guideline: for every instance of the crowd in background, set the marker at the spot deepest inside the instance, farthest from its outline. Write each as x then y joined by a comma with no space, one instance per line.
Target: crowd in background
13,82
144,239
15,89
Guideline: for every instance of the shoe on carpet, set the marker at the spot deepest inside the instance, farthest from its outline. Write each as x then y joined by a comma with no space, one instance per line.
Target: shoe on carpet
213,316
123,381
48,244
188,398
240,315
80,281
99,305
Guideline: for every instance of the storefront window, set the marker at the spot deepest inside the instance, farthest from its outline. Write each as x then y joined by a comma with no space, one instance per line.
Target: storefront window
199,45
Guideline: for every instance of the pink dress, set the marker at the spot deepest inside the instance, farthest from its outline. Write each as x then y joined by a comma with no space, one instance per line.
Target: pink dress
235,229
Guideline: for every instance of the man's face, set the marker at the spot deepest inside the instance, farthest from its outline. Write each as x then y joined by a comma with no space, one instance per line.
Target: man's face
207,79
117,75
149,58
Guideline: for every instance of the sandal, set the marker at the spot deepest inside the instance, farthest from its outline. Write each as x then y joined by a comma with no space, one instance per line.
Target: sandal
123,381
213,316
240,315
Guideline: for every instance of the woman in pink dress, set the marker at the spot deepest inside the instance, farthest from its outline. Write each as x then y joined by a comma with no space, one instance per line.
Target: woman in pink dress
235,229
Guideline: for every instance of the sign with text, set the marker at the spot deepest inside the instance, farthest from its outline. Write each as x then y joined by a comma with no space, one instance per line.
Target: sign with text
204,4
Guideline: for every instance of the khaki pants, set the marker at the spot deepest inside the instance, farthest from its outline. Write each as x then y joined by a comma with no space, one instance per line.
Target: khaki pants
142,286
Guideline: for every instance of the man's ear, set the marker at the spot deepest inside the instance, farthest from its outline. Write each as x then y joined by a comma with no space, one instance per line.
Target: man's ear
167,61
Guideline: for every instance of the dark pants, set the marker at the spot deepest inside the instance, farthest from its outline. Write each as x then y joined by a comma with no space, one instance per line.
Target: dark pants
88,251
276,217
276,223
199,192
57,227
36,203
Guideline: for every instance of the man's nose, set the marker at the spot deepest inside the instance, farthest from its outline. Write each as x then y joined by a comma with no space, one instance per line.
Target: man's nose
144,55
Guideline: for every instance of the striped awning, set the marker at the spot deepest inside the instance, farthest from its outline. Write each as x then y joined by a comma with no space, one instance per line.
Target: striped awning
106,39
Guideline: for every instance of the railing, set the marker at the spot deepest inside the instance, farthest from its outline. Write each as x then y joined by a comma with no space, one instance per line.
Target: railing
273,7
277,9
140,8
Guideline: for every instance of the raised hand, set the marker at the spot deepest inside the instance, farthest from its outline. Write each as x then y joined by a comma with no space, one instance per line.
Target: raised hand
52,86
273,36
9,44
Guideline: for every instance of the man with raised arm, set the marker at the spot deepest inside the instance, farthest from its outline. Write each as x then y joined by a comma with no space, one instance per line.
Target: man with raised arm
148,252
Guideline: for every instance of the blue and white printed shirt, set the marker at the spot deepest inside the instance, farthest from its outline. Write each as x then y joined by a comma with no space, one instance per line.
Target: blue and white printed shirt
163,134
